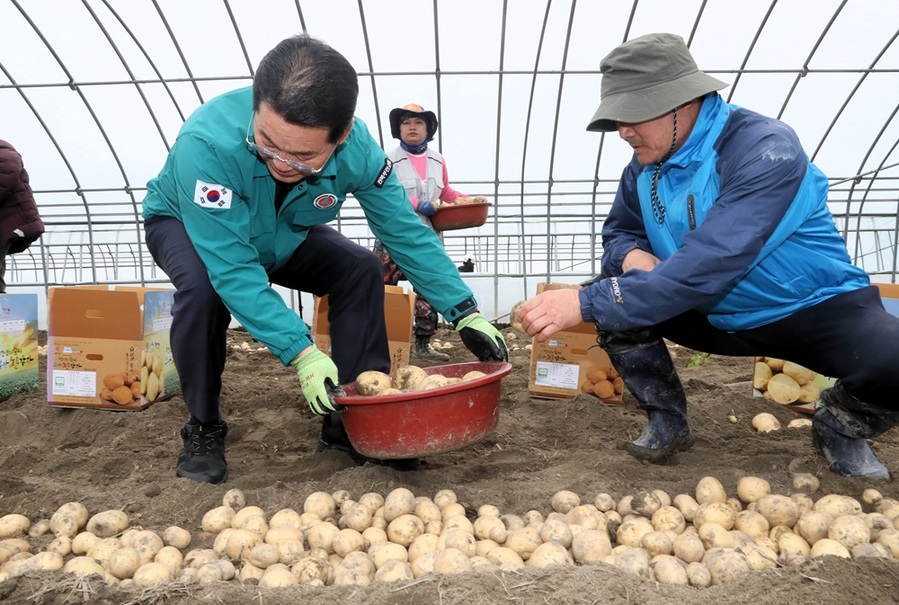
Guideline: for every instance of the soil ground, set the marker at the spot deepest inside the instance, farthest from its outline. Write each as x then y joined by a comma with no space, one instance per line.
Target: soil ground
125,460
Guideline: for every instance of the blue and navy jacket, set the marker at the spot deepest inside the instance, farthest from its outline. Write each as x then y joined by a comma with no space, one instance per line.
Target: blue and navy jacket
747,237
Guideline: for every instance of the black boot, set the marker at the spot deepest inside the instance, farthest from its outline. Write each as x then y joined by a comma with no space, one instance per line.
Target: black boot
422,350
333,436
841,429
203,456
649,375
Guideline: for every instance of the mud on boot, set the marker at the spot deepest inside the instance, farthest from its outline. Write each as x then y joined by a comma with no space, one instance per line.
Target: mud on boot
841,429
663,436
649,374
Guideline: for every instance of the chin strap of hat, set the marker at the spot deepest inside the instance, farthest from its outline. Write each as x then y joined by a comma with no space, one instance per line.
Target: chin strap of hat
658,208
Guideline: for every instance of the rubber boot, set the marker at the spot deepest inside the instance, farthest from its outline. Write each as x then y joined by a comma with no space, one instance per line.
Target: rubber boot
422,350
333,436
841,428
649,375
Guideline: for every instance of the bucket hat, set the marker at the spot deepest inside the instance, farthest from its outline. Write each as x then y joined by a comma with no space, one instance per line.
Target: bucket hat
398,114
647,77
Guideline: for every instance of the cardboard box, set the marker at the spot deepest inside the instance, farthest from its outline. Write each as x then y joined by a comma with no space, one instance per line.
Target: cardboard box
104,341
810,389
399,312
567,364
18,344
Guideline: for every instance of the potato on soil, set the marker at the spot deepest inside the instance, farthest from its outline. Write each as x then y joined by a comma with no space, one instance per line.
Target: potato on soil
108,523
372,382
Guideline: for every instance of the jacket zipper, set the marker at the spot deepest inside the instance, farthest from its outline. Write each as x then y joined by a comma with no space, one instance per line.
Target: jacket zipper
691,212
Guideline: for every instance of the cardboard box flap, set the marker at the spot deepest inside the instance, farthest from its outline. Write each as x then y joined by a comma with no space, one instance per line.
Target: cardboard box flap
80,313
402,307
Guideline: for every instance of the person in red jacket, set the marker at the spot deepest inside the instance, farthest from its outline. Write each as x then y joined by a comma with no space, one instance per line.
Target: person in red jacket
20,222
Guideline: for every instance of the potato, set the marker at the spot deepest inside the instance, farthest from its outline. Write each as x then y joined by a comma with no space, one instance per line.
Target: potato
523,541
434,381
805,482
727,566
687,505
357,517
13,525
372,382
124,562
813,526
400,501
493,528
454,509
515,317
108,523
355,569
715,512
147,543
775,364
783,389
761,375
445,497
394,571
688,548
668,570
170,556
750,489
235,499
604,502
632,560
177,537
217,519
778,510
709,489
421,545
552,530
713,535
473,375
69,519
668,518
321,504
752,524
322,536
409,378
239,543
585,516
765,422
827,546
564,500
849,530
698,575
312,570
798,373
152,574
657,543
837,505
631,531
550,553
83,566
451,561
278,576
404,529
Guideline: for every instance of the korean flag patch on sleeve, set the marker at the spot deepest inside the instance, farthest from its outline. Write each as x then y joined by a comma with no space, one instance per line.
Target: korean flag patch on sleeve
211,195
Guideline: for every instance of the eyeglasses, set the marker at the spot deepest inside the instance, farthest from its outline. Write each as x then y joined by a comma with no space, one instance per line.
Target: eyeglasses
271,155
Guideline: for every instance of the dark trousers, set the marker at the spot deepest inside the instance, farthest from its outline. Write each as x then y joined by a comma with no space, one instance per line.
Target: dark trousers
849,337
325,263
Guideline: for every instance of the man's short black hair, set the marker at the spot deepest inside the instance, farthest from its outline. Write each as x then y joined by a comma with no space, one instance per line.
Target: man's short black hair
308,83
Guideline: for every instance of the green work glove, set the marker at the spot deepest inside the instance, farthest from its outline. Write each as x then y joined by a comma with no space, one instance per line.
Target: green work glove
318,381
482,338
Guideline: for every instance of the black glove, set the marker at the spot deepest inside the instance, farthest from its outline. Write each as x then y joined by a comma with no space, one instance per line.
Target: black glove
482,338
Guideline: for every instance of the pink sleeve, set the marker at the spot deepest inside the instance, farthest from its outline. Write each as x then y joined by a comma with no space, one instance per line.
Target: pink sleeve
448,194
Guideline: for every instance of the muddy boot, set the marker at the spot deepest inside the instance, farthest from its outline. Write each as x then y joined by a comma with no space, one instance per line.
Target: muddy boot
649,375
422,350
841,429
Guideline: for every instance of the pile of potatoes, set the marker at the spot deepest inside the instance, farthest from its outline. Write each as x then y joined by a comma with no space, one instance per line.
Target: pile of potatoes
605,383
407,379
701,539
784,382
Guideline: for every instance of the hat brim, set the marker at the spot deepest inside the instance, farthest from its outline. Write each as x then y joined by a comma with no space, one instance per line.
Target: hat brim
396,115
636,106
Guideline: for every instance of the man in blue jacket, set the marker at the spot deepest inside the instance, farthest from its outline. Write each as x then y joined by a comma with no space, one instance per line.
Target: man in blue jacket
242,203
720,239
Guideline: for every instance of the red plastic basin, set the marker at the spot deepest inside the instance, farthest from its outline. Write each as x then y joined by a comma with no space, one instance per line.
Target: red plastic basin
412,425
450,217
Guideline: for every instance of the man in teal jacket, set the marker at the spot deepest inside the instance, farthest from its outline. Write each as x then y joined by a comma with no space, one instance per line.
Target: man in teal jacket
242,203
